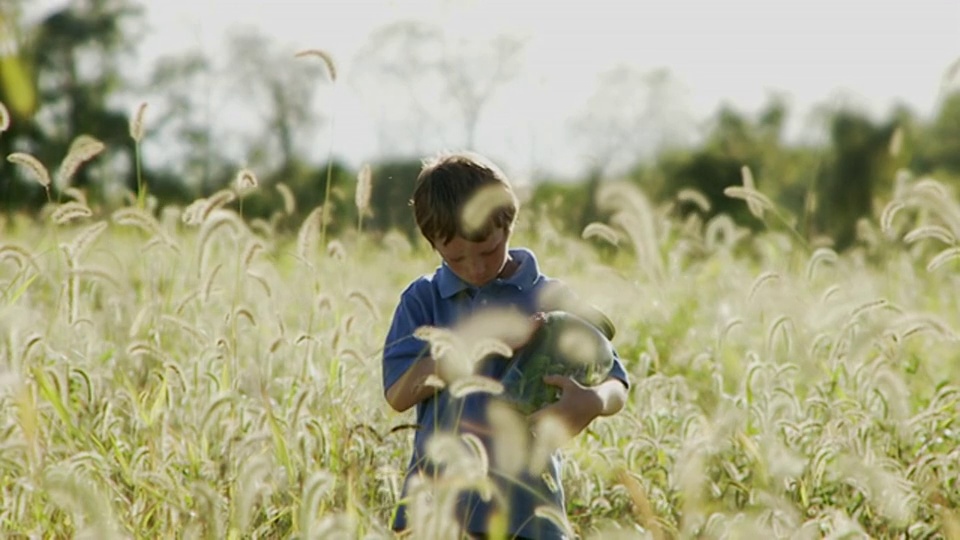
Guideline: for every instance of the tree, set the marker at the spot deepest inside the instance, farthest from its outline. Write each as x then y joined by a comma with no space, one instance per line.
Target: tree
182,127
281,89
859,166
416,76
942,144
73,59
632,115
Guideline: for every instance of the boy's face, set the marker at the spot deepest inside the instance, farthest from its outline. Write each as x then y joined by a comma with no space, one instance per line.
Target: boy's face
477,263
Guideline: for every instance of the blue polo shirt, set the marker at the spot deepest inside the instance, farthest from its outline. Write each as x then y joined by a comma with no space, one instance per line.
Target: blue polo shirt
441,300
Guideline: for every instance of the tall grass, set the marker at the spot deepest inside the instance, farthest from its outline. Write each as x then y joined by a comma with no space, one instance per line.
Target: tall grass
230,388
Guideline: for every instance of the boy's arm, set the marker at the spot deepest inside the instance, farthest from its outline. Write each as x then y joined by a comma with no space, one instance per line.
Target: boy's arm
406,360
410,388
579,405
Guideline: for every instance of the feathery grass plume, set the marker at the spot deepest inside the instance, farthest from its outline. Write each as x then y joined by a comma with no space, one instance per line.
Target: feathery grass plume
250,251
75,194
245,181
578,345
69,211
19,255
246,315
322,55
557,517
96,272
759,282
136,122
601,231
757,202
461,464
191,214
316,487
32,164
366,301
936,232
896,142
72,289
221,219
820,255
4,118
633,212
943,258
722,232
289,201
829,293
253,483
396,242
139,319
327,215
136,217
477,211
82,149
511,438
448,350
475,384
725,330
887,216
696,197
868,306
549,434
781,323
484,347
208,283
84,501
432,381
479,451
641,503
262,281
887,491
337,251
506,325
307,235
196,333
215,202
755,208
364,189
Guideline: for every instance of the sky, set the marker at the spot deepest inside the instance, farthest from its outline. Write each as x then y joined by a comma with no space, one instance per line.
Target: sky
867,54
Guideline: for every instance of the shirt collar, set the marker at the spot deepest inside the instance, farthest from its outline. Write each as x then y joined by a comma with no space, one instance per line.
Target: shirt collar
525,277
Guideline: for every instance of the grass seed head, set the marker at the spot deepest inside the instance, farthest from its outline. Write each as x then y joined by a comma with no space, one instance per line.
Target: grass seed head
364,189
136,123
33,165
4,118
322,55
82,149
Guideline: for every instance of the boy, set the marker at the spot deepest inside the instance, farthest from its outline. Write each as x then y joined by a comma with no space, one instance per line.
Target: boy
480,271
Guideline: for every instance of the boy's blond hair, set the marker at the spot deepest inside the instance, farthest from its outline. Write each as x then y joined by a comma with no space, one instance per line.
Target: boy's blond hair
446,183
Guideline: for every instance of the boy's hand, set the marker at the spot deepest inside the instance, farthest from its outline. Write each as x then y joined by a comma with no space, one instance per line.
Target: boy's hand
577,407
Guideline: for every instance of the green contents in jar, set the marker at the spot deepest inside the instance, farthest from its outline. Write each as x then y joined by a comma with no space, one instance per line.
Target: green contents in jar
564,345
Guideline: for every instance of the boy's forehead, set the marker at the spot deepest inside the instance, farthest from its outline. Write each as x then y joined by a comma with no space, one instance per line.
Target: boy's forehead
458,242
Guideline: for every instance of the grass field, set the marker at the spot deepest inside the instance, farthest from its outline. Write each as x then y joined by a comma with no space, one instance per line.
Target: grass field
220,380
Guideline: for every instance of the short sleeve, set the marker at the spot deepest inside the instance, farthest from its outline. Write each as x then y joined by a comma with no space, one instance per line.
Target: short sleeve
618,371
401,349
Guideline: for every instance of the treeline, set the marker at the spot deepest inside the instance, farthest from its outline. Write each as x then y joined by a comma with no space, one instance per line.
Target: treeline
69,71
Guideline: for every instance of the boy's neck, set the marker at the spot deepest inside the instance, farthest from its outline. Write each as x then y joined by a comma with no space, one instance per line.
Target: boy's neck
509,268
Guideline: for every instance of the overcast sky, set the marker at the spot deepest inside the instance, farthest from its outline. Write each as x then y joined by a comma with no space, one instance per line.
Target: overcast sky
871,54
